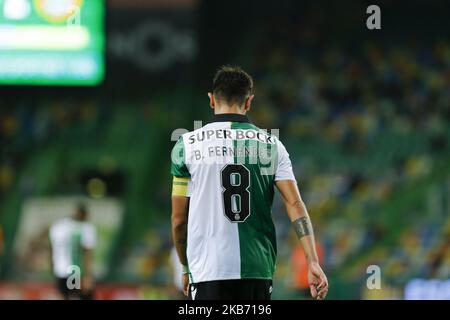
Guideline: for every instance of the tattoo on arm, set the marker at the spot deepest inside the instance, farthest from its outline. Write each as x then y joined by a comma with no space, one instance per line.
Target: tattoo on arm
302,227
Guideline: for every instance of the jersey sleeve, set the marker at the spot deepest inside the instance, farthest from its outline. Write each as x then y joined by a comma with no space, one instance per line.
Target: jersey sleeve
181,185
284,166
88,237
178,167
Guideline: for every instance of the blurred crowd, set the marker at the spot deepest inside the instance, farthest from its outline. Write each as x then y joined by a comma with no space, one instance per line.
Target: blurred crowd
368,131
28,126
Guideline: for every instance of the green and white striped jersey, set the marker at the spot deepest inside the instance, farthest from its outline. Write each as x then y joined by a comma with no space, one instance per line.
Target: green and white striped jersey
229,168
68,237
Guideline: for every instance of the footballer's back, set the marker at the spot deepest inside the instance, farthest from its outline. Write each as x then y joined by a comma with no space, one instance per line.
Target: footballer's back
228,169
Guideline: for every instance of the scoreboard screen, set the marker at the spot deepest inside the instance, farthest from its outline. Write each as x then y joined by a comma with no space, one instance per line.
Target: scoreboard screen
52,42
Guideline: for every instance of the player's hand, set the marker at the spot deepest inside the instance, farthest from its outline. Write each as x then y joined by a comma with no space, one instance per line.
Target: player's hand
318,282
185,282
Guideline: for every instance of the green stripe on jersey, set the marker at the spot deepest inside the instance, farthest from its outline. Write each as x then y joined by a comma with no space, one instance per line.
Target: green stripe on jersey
257,238
75,247
178,166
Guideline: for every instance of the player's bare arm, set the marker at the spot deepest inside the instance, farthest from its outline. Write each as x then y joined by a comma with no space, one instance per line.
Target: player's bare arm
180,205
299,217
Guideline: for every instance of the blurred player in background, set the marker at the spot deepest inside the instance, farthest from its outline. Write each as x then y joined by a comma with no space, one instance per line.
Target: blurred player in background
224,179
73,240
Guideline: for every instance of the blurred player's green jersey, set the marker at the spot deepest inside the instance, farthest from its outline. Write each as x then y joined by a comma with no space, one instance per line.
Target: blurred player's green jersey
228,169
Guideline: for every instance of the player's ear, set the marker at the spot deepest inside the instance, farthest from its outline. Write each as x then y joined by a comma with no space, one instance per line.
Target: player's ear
212,102
248,102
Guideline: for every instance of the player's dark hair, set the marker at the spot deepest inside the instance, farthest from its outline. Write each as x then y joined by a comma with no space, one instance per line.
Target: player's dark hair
81,212
81,207
233,85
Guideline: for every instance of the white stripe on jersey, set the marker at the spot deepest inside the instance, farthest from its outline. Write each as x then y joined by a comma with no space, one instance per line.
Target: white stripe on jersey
209,256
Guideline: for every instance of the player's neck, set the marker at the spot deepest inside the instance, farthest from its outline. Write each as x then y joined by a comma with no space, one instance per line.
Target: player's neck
229,109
